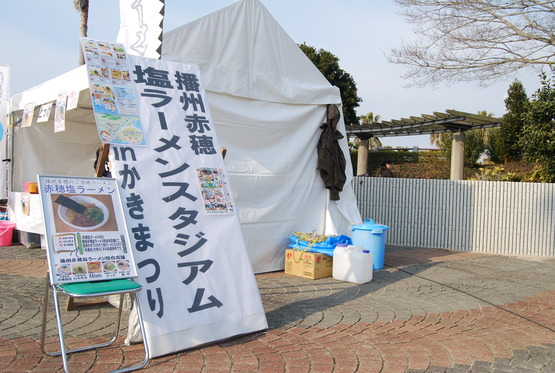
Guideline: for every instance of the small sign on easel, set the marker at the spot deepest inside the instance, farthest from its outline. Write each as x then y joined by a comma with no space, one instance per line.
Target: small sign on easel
85,229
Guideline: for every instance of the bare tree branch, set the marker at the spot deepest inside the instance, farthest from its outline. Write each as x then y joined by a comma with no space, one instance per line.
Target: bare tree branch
475,40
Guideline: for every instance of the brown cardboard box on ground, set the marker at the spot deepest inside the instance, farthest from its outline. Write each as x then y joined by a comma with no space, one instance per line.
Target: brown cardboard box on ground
308,264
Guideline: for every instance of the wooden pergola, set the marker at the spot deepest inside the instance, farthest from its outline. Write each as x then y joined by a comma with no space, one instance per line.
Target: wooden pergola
456,122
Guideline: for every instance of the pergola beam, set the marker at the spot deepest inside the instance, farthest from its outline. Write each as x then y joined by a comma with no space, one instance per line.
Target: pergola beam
407,125
456,122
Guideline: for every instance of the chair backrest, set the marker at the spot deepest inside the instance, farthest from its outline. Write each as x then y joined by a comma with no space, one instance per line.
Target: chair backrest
86,234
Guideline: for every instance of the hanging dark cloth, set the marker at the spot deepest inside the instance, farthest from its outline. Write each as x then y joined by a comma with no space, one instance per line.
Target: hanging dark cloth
331,161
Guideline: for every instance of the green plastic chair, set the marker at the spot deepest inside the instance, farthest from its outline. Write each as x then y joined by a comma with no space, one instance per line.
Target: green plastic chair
88,290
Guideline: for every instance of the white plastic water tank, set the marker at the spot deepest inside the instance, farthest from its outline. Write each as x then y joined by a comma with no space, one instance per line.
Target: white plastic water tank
352,264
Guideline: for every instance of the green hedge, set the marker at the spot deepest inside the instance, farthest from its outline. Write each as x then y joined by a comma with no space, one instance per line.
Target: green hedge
375,158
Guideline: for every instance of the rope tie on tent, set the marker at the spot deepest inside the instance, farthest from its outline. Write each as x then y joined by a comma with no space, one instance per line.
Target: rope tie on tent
311,239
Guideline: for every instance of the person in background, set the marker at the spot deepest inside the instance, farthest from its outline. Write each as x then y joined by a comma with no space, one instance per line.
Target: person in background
385,169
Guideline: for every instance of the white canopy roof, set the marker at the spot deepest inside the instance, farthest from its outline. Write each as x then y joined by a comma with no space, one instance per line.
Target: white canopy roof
243,51
73,80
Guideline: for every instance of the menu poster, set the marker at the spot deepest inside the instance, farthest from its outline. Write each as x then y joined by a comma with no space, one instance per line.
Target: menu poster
44,112
113,93
28,112
26,203
85,229
60,114
72,100
216,194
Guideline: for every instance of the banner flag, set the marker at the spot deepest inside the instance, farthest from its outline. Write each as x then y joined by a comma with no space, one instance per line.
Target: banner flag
199,285
141,27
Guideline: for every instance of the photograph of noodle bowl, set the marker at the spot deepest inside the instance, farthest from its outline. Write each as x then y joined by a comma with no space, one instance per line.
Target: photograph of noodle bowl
123,265
83,212
94,267
109,266
63,269
79,269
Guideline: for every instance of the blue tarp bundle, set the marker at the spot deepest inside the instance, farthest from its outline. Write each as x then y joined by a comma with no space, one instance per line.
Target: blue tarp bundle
323,247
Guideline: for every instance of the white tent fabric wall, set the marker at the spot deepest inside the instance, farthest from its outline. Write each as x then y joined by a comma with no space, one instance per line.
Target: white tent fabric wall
272,169
41,151
38,149
268,101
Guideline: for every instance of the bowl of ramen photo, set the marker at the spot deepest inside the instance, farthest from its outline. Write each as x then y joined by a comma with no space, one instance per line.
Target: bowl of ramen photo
109,266
123,265
79,269
63,270
82,212
94,267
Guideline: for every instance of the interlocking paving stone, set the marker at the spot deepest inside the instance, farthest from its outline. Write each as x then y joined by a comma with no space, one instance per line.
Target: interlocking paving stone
428,310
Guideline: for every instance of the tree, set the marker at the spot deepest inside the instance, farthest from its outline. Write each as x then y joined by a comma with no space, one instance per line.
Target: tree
538,132
475,143
516,105
369,120
494,146
328,64
82,6
435,139
489,143
469,40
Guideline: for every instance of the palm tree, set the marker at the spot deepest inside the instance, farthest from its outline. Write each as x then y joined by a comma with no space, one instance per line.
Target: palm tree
369,120
82,6
436,139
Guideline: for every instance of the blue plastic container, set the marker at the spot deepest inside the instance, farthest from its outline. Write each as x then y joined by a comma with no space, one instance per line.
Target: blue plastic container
372,237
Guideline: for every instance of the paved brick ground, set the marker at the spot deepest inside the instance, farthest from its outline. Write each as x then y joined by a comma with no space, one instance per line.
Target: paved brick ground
427,311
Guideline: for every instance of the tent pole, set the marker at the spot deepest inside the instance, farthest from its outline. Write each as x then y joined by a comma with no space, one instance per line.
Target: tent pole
9,155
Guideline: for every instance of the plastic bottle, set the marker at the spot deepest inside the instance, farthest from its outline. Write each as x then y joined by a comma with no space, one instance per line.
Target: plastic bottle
352,264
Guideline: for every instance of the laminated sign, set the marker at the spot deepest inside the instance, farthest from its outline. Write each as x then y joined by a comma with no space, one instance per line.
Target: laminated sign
192,261
112,93
85,229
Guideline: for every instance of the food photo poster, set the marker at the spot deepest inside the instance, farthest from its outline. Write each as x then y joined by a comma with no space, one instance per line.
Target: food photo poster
85,229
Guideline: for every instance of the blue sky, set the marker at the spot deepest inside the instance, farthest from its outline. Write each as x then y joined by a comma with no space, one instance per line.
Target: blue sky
40,40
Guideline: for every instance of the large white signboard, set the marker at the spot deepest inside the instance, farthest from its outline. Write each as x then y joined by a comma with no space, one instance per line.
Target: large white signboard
191,256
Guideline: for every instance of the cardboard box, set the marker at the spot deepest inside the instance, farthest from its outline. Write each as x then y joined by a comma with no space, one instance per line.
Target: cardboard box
308,265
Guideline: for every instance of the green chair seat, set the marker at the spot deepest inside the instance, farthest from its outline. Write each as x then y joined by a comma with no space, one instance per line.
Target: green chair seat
82,288
90,289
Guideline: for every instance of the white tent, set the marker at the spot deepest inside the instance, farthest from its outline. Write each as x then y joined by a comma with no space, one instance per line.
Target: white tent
38,149
267,100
